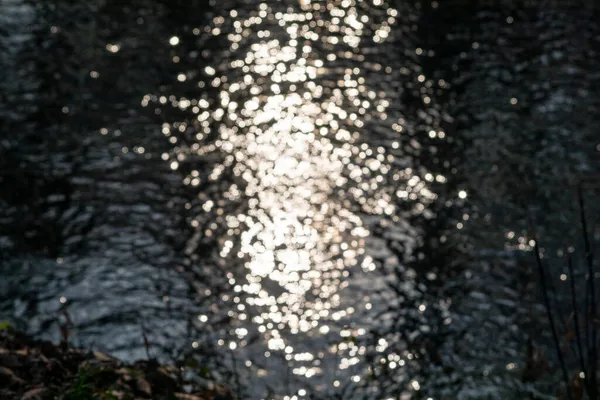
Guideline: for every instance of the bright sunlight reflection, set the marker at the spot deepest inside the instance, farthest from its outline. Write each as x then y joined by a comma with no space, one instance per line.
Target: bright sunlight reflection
287,121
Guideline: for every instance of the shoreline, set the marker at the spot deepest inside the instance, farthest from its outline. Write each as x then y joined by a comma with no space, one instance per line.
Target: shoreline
33,369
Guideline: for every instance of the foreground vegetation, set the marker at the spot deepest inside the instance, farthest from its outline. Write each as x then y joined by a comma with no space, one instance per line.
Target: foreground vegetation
33,369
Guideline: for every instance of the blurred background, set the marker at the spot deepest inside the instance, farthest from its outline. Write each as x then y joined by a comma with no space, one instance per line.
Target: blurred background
304,198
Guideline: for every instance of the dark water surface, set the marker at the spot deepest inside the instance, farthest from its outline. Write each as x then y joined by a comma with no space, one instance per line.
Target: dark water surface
285,122
257,193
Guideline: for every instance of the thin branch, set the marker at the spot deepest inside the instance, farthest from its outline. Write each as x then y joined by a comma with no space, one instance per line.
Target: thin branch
582,365
554,301
147,344
593,350
561,360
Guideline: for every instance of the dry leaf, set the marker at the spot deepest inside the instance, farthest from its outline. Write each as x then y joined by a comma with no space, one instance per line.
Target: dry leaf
34,393
102,357
143,386
185,396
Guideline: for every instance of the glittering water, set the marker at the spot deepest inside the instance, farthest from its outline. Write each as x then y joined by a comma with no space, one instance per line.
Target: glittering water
303,116
258,189
287,125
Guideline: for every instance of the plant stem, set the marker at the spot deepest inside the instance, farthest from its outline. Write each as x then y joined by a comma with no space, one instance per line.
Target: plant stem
593,349
582,365
561,360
